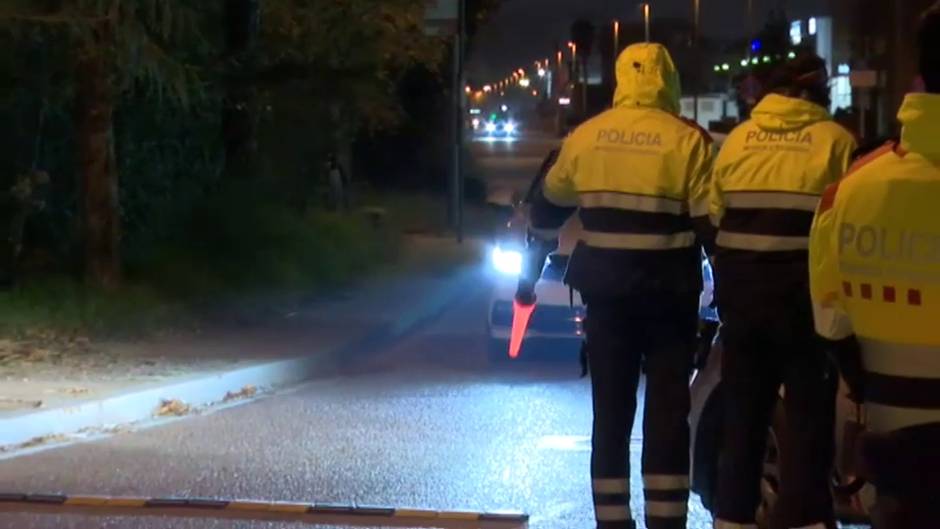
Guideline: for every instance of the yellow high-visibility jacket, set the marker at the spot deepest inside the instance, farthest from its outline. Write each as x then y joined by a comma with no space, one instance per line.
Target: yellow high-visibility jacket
768,179
875,268
638,176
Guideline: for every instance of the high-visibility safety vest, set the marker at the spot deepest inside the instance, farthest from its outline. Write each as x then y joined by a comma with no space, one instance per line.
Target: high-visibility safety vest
875,268
768,179
639,176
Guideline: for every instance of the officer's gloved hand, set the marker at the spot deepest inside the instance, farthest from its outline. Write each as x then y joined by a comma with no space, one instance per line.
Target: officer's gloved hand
847,355
525,292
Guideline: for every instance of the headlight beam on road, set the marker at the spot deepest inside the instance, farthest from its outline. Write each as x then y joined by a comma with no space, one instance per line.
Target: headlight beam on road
314,514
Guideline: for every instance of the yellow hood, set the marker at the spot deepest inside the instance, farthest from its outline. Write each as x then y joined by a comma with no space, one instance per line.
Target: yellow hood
647,77
779,113
920,115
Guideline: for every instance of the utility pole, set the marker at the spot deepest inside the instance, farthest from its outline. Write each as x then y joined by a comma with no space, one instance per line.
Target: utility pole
457,181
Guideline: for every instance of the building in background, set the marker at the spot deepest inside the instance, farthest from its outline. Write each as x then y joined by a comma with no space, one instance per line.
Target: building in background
871,51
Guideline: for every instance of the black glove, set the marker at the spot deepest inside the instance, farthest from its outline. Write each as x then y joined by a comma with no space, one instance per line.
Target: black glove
532,264
525,292
847,355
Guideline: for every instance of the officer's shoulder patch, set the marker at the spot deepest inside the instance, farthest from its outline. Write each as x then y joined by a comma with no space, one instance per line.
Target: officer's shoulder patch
829,197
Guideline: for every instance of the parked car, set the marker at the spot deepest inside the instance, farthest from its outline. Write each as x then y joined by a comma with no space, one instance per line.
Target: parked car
852,495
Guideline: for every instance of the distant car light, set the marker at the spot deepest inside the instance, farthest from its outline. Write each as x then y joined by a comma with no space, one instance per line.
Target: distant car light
490,127
508,262
509,127
476,123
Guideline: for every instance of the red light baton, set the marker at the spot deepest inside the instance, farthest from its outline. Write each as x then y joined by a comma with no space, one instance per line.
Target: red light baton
521,316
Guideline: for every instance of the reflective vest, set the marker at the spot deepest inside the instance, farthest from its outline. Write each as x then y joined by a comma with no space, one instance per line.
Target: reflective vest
768,180
639,177
875,268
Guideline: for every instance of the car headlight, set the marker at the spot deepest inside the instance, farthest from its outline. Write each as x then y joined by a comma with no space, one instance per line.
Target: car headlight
491,127
510,127
508,262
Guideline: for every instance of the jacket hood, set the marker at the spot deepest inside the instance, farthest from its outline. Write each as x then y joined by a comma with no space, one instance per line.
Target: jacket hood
920,115
779,113
647,77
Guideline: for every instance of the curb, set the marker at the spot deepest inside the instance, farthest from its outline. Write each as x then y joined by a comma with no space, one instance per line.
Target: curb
331,513
139,405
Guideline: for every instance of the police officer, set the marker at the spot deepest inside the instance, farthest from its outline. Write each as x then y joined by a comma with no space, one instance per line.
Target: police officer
638,176
767,182
876,283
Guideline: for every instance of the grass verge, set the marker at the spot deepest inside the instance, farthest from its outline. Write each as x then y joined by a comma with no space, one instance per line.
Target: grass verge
246,250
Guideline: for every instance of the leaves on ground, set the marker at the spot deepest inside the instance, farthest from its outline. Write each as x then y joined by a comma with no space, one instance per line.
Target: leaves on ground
173,408
18,404
245,393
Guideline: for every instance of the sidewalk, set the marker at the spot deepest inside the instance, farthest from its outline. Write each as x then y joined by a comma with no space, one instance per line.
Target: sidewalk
92,387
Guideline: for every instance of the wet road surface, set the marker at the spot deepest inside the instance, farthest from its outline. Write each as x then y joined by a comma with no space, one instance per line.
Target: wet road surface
424,422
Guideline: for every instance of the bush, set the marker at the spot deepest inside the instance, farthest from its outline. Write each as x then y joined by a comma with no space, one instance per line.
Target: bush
246,240
62,304
241,245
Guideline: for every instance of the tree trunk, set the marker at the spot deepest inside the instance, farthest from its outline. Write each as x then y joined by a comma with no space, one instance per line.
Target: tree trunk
239,119
101,220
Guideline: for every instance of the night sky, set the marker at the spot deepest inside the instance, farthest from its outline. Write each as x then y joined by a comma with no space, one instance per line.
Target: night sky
523,30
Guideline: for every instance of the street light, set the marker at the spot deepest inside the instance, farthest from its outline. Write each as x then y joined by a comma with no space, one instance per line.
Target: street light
616,39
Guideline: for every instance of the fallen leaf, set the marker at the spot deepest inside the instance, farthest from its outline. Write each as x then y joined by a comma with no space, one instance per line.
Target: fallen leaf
42,440
245,393
173,408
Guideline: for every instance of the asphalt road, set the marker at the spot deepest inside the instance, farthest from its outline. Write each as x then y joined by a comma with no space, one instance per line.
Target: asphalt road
511,165
425,422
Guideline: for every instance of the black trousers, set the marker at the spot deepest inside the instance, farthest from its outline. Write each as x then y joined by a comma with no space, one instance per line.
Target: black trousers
622,339
769,341
904,465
